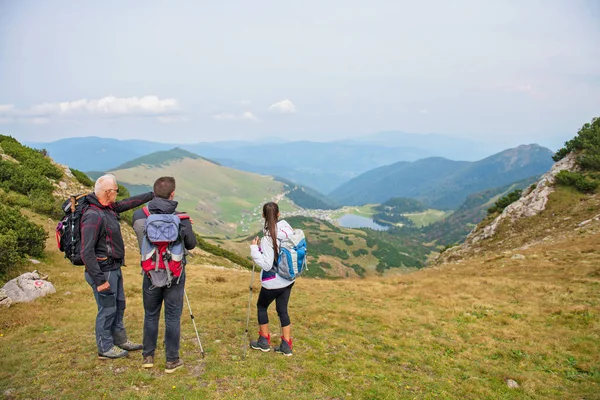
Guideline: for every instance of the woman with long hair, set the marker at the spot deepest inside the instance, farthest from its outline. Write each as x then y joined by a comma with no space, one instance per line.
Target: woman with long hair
264,252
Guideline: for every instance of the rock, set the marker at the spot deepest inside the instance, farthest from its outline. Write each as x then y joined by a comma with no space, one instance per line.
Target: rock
31,260
67,171
27,287
518,257
9,392
512,384
7,302
587,221
67,293
530,204
63,185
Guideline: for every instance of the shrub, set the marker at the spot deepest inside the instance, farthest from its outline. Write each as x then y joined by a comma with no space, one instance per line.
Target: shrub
221,252
82,178
587,144
505,201
580,181
360,252
18,238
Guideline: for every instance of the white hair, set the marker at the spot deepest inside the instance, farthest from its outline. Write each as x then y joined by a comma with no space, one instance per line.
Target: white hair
101,183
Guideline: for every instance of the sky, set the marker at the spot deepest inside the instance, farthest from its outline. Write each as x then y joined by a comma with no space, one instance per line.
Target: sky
508,72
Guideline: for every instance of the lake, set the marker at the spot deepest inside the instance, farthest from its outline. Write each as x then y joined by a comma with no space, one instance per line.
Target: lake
356,221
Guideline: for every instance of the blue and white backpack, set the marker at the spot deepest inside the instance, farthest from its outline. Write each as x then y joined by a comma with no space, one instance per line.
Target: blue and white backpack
291,261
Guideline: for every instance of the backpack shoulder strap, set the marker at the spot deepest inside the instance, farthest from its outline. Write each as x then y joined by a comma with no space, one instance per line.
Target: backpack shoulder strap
183,216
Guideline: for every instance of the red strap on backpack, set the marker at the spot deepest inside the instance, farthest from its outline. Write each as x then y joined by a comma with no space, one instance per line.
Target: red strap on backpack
181,215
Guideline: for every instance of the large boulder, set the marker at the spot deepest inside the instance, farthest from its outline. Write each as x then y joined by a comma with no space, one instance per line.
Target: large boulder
26,287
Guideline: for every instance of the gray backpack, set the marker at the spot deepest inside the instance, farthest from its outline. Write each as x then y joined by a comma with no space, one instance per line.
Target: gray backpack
163,253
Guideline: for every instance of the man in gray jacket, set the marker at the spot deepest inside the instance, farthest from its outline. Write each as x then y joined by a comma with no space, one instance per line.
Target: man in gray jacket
103,253
172,295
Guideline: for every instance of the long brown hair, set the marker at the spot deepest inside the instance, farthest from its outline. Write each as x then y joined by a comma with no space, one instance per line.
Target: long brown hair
270,214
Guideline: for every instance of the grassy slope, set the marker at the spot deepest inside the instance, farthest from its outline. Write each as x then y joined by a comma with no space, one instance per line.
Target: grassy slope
206,190
318,233
455,331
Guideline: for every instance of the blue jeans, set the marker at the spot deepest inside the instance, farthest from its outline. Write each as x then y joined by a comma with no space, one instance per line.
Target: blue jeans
153,300
110,329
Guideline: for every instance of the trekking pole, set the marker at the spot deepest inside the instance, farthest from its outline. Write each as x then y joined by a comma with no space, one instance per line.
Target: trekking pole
248,313
194,322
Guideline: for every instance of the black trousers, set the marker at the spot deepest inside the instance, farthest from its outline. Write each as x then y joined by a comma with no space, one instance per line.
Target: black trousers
281,297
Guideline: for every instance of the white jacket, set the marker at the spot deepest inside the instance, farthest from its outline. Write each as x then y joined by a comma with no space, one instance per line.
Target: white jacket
264,256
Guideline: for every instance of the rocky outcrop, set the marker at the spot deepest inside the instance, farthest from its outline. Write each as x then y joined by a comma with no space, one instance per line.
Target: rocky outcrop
529,204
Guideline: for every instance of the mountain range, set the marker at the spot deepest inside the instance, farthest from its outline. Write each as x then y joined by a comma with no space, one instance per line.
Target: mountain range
320,165
442,183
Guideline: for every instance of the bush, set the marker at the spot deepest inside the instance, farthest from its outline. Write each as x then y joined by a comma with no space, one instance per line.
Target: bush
505,201
580,181
360,252
30,158
19,238
82,178
221,252
587,144
28,182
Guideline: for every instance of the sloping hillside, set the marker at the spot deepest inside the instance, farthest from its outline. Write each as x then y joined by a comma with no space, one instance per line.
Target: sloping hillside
220,200
456,227
457,331
442,183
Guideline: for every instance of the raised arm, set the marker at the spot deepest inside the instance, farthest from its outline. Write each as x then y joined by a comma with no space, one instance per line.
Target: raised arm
132,202
263,256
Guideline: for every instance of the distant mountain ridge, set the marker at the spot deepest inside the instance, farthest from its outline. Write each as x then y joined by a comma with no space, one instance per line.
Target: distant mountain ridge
319,165
160,158
442,183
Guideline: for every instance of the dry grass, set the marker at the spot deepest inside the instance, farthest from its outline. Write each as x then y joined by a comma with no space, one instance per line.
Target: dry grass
457,331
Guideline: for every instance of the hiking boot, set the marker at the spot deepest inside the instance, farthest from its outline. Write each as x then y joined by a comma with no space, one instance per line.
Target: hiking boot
262,344
172,366
284,348
130,346
114,352
148,362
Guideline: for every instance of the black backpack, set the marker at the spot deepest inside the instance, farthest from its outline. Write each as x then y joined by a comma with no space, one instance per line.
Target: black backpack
68,230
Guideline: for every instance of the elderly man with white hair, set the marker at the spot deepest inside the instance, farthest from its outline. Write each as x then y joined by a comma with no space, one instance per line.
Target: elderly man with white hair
103,252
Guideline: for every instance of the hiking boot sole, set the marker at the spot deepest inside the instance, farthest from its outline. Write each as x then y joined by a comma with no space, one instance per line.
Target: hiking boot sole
110,358
285,354
171,370
261,349
148,365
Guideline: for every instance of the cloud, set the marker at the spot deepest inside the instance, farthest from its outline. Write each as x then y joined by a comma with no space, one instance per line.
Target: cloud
224,117
247,115
522,88
283,107
110,106
171,119
7,109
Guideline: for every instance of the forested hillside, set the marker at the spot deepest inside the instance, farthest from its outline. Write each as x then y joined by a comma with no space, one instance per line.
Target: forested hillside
441,183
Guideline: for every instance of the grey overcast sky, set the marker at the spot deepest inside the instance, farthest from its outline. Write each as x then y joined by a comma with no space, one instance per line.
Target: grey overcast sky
504,71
